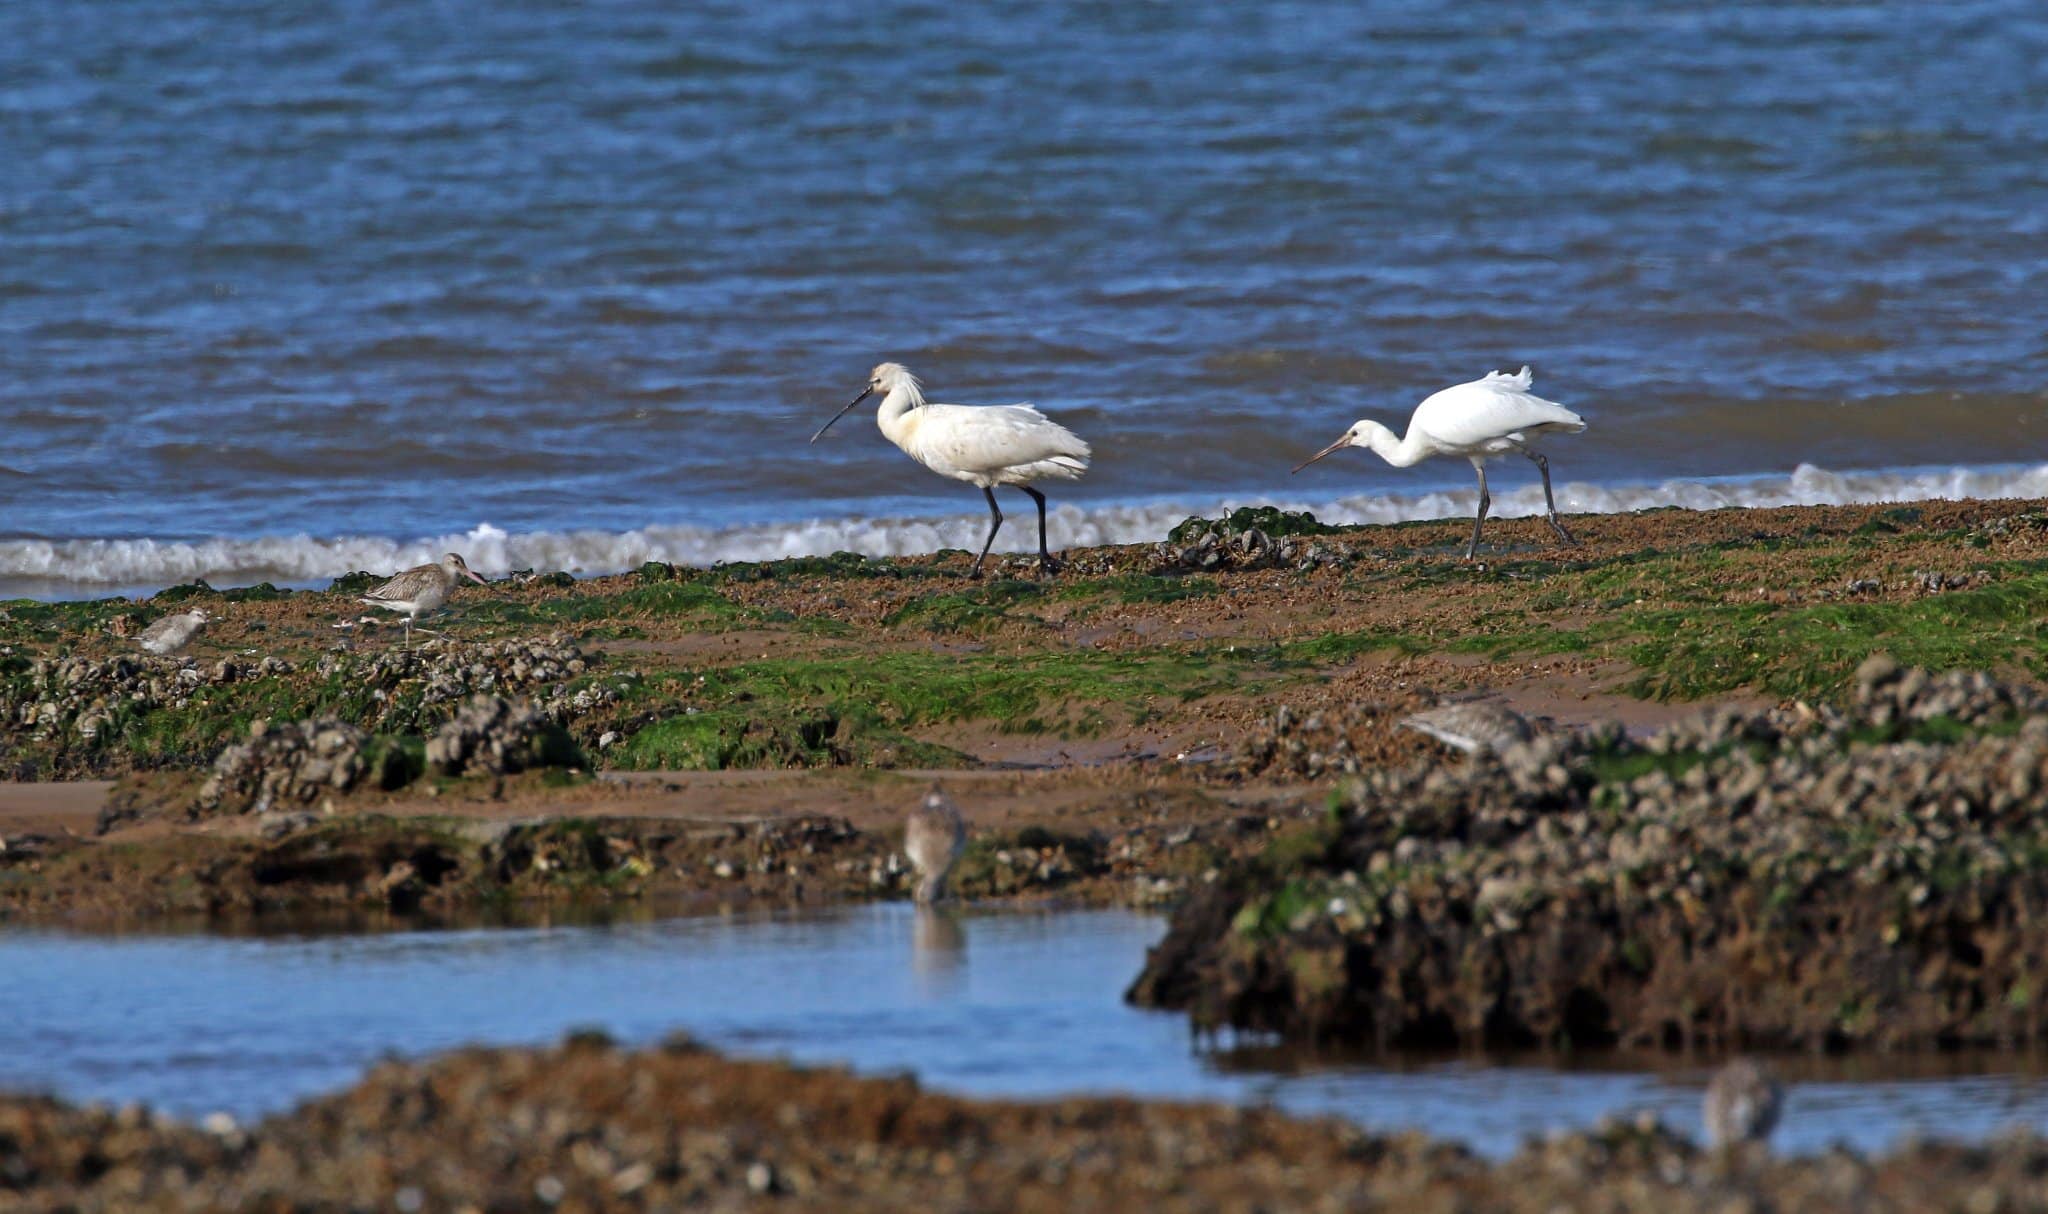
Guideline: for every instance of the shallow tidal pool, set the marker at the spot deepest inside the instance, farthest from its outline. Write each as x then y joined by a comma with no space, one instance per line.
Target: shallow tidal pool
1008,1004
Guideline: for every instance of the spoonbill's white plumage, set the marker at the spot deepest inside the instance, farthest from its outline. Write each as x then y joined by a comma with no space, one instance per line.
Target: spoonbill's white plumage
1482,420
984,445
421,589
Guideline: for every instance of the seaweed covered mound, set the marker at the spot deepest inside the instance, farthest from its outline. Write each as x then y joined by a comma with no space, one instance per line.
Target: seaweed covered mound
1804,876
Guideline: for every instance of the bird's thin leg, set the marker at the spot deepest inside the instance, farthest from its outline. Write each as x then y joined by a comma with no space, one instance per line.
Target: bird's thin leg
1479,520
995,525
1045,562
1557,525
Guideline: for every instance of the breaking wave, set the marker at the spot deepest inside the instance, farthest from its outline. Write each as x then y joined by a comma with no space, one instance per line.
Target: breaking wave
303,559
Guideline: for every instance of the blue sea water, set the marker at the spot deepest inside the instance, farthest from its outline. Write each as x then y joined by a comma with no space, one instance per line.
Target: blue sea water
291,289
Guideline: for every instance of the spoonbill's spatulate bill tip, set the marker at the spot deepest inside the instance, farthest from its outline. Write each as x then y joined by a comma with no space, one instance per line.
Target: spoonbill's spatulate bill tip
1482,420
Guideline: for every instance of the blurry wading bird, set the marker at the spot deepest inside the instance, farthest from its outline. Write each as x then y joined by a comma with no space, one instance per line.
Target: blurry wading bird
1482,420
933,839
985,445
420,590
169,634
1742,1104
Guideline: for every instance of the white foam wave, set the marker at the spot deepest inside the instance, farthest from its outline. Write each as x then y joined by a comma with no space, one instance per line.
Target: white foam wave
304,559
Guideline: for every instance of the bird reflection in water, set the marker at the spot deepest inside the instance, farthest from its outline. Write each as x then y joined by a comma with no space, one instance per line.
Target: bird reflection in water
933,838
938,951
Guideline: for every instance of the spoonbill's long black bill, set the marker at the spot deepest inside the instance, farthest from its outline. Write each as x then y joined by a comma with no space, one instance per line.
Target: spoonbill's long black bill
843,412
1320,454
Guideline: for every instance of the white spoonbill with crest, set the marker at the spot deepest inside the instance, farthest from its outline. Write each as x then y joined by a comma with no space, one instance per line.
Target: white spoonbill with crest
1482,420
984,445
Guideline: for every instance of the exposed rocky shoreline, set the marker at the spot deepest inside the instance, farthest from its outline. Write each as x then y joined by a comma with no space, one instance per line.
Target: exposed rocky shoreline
1844,854
587,1126
1163,725
1796,878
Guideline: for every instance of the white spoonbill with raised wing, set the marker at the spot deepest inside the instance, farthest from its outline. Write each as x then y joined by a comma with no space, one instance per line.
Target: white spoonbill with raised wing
985,445
420,589
1482,420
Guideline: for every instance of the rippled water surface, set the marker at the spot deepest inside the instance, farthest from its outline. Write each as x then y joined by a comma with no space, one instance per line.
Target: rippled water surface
1019,1005
378,271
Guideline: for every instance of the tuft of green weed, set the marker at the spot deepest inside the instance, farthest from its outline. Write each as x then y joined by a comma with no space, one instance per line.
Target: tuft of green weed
261,592
846,708
719,740
977,610
1132,588
354,583
838,565
1812,652
179,593
672,600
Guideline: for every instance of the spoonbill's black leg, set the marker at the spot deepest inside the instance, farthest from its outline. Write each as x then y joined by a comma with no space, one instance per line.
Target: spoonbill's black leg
1479,520
1556,524
1045,562
995,525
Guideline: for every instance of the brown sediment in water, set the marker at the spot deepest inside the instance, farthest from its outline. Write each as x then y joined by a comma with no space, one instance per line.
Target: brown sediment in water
586,1126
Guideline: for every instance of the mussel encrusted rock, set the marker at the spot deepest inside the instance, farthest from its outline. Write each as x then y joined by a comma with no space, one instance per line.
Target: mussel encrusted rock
1800,877
286,765
496,735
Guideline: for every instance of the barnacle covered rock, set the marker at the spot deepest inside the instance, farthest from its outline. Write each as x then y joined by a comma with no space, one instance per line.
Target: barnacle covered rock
285,765
1748,877
496,735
